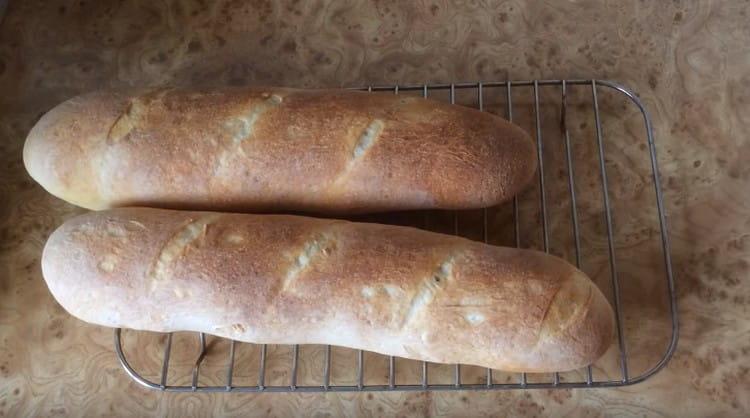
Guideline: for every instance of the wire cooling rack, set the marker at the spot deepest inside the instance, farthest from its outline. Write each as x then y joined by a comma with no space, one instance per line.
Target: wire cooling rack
561,91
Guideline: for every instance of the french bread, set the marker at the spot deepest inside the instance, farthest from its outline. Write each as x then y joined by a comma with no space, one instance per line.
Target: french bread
281,279
263,149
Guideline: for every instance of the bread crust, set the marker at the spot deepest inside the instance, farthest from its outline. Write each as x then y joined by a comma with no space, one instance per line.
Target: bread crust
262,149
281,279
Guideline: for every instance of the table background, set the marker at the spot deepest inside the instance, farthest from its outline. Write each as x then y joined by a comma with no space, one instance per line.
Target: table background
688,60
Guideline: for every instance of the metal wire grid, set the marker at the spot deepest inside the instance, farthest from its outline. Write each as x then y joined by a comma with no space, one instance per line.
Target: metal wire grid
522,381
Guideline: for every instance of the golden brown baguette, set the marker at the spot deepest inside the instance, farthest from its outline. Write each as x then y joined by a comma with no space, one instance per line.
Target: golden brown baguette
282,279
258,149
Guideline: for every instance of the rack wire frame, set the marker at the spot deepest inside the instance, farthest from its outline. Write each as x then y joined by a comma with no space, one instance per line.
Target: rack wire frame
522,379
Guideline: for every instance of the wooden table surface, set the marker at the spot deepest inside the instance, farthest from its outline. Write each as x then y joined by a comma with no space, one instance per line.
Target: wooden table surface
689,61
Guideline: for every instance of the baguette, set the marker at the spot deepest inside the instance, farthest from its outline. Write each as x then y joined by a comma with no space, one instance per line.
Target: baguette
281,279
269,149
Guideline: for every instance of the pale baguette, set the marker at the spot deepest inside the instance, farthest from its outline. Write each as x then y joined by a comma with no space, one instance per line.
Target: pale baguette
282,279
268,149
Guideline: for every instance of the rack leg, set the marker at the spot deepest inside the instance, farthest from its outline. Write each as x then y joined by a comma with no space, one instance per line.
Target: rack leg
230,367
360,369
165,363
610,237
327,368
201,356
295,359
262,372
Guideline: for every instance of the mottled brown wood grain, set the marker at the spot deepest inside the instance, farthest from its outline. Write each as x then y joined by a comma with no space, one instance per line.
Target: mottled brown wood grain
688,60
